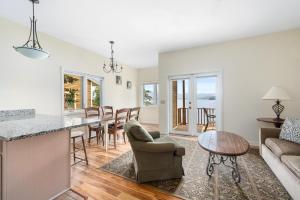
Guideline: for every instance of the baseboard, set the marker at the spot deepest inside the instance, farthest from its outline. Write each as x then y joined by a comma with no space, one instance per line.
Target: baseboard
52,198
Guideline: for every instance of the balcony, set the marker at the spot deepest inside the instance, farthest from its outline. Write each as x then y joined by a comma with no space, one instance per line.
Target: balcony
182,119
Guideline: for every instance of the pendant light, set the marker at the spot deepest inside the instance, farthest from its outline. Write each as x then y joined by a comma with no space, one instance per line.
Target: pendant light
32,47
113,65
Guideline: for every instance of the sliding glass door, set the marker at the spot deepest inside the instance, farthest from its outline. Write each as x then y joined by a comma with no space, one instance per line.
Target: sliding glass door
194,102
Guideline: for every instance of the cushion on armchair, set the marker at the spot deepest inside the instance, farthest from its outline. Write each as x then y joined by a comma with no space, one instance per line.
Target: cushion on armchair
140,134
291,130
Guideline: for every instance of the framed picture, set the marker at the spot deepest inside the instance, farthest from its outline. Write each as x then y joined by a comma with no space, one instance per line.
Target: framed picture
129,84
118,80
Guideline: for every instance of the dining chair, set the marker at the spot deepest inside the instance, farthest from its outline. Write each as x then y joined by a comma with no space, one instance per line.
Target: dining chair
210,118
107,110
134,113
94,112
118,126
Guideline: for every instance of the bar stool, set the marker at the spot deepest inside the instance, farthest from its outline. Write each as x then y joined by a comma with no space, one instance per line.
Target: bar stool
74,135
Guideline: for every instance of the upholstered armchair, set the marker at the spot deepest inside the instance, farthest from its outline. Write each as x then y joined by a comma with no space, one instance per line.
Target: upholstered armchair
154,160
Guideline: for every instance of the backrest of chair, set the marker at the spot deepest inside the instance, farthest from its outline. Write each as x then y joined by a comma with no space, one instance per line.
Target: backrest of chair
107,110
134,113
92,112
121,117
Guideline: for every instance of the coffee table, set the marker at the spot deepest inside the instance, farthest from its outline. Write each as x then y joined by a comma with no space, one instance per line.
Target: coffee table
223,148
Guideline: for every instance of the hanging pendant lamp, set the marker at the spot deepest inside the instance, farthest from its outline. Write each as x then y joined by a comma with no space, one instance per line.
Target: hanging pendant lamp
32,47
112,65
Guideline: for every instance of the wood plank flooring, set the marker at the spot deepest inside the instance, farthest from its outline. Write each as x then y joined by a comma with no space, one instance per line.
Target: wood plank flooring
99,185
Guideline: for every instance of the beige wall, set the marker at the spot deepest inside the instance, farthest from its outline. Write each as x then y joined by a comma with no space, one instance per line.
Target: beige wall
250,68
27,83
148,114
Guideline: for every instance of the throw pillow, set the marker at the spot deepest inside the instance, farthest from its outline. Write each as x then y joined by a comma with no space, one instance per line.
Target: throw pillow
140,134
130,124
291,130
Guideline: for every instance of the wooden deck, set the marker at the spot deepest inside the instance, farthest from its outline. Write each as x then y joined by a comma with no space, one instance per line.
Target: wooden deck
99,185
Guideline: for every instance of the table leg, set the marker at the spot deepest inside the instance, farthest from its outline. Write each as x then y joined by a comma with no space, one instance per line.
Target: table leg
221,159
106,135
210,165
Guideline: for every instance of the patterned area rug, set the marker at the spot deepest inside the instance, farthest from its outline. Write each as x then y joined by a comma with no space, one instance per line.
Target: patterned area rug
257,179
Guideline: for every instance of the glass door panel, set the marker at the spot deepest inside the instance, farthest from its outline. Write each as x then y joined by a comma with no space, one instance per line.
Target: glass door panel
206,102
180,105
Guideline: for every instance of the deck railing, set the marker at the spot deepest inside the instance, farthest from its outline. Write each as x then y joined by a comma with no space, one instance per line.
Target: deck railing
201,116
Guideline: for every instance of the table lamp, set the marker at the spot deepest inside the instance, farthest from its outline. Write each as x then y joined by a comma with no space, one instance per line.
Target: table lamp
277,94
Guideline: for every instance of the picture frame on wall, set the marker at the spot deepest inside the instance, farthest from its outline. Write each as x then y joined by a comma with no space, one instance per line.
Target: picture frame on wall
129,84
118,80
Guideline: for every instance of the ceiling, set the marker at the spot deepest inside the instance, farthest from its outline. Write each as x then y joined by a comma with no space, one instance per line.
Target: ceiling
143,28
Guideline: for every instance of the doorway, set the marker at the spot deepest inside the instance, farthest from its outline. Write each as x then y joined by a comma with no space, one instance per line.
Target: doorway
195,103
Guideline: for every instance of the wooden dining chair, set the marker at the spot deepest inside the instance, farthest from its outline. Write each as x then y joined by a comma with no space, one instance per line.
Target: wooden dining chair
210,118
134,113
118,127
107,110
94,112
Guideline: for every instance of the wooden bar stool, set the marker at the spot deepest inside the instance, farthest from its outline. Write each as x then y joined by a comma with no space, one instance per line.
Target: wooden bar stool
74,135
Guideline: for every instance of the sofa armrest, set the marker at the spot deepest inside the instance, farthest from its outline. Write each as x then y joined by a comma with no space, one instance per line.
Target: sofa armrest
265,133
155,147
154,134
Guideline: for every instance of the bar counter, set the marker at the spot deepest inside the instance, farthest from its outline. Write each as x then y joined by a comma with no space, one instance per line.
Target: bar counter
35,154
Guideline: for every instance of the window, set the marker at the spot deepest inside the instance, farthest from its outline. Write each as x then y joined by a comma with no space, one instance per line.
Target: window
72,92
150,94
93,93
81,91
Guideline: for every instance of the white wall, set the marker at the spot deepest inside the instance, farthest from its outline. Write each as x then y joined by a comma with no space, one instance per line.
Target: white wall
27,83
250,68
148,114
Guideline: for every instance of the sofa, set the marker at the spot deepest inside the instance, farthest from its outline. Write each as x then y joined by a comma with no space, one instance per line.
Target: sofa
159,159
283,157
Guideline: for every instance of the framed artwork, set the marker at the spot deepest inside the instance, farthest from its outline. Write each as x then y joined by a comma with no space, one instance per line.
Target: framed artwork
129,84
118,80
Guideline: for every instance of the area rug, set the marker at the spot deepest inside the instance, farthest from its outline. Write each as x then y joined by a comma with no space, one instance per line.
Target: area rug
257,179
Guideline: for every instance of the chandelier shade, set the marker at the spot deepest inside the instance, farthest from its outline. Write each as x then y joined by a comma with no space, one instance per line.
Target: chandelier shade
112,65
32,47
32,52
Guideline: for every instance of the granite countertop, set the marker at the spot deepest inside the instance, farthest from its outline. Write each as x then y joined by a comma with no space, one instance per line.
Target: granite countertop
15,129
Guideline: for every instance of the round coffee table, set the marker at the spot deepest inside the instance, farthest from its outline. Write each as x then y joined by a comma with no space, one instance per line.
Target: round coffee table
223,148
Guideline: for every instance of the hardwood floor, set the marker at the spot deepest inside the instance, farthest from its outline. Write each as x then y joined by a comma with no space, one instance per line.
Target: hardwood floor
99,185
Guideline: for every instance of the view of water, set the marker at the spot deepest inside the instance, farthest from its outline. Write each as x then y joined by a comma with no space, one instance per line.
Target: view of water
201,103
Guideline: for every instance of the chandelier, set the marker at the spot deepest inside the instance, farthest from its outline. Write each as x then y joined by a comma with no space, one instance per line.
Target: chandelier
113,65
32,47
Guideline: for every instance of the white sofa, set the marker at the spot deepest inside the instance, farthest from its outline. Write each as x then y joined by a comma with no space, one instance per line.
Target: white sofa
283,157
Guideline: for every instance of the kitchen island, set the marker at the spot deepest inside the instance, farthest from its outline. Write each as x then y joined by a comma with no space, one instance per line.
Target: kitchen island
35,154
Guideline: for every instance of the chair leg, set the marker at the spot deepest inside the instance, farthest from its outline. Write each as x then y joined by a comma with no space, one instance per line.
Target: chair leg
102,134
74,150
206,126
124,137
86,159
115,140
90,134
97,136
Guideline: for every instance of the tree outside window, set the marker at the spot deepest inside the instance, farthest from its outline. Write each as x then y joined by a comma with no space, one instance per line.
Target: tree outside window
150,94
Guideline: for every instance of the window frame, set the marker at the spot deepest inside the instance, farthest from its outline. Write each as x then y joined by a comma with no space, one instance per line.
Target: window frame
156,92
84,77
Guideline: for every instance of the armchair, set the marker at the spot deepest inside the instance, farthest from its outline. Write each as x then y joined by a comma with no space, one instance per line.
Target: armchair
154,160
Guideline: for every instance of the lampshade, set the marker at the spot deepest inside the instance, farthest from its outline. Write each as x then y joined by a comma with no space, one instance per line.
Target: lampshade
276,93
32,52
